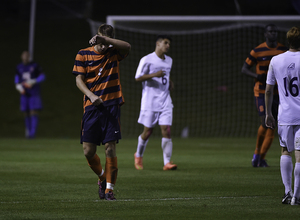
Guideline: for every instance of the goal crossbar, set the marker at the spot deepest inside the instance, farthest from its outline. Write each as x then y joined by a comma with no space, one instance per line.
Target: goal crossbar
111,19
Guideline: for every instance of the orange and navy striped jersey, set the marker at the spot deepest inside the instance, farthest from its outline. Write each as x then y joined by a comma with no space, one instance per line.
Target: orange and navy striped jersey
261,56
102,76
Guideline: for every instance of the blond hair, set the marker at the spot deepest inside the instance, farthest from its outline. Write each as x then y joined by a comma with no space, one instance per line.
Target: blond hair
293,37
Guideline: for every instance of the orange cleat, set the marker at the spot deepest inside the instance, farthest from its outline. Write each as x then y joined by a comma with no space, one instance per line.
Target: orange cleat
170,166
138,162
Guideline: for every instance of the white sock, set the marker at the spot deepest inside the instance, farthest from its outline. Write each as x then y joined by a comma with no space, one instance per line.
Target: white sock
101,173
297,180
167,147
110,186
286,169
141,147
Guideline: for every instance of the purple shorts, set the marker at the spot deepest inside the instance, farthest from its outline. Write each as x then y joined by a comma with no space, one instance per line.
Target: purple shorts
101,125
30,103
260,105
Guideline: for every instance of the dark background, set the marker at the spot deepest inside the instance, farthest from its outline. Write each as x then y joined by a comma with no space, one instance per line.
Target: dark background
98,10
61,30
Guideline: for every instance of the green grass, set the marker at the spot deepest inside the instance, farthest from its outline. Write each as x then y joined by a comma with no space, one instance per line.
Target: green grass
50,179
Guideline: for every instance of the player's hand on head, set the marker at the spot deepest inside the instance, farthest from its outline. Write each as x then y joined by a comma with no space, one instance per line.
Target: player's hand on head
93,40
97,39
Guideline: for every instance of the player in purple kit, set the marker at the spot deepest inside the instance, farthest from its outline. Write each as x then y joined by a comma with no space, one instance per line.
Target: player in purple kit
27,79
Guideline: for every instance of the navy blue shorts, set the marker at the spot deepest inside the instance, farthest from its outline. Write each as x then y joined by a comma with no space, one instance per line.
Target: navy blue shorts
101,125
28,103
260,105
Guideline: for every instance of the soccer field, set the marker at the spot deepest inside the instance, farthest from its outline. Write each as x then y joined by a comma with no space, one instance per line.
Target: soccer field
50,179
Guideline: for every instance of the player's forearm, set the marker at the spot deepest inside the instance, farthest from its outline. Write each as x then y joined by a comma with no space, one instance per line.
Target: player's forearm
40,78
120,44
248,72
82,87
145,77
269,99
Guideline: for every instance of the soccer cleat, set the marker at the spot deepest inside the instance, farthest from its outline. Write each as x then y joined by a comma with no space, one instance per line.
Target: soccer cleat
295,201
263,163
110,196
255,160
138,162
102,187
170,166
286,199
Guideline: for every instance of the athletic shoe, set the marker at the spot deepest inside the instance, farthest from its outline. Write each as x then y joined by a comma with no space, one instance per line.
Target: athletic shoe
170,166
110,196
286,199
138,162
255,160
102,187
263,163
295,201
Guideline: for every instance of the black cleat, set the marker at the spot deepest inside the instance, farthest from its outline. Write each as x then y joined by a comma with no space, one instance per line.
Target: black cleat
102,187
286,199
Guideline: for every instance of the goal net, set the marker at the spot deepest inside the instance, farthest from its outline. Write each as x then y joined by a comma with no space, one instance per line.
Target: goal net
211,96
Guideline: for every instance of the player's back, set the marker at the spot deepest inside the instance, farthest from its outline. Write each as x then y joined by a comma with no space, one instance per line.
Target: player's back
286,69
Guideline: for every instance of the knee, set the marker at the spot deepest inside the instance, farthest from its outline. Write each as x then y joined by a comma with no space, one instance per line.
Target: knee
297,156
89,151
146,133
110,149
285,152
166,131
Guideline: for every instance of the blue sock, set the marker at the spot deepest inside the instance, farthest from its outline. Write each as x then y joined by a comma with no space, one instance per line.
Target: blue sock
34,124
27,126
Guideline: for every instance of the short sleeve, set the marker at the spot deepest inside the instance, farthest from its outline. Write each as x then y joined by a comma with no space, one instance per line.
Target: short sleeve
142,69
271,80
79,65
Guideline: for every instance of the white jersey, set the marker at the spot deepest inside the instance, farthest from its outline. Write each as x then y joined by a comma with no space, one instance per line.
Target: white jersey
285,70
156,94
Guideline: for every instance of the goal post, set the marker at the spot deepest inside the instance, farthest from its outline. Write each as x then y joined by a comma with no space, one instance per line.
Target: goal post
211,96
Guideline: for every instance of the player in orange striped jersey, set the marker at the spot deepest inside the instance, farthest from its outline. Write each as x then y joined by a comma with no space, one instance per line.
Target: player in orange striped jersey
261,56
98,77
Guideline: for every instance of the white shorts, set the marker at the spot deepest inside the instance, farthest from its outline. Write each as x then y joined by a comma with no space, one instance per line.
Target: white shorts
149,118
289,137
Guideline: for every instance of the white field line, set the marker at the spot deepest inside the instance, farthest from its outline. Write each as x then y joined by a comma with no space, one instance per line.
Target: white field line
145,200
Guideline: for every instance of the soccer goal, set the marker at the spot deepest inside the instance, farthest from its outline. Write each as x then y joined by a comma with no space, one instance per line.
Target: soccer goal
211,96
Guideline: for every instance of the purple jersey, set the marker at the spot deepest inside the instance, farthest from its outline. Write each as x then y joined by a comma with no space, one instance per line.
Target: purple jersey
27,72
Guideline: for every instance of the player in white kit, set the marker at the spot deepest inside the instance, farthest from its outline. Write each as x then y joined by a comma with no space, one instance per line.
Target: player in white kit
156,104
285,70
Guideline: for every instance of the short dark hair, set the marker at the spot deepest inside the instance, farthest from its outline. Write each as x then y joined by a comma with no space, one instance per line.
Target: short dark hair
163,36
106,30
293,37
269,25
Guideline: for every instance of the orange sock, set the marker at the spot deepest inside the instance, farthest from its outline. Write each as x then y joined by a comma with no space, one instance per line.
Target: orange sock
261,133
267,143
95,165
111,170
